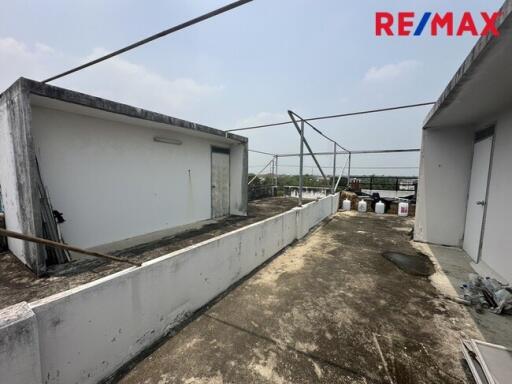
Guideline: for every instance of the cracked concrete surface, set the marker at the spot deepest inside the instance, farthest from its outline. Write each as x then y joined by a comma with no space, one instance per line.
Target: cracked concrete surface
329,309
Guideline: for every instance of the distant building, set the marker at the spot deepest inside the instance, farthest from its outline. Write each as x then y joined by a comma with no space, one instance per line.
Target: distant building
465,185
111,171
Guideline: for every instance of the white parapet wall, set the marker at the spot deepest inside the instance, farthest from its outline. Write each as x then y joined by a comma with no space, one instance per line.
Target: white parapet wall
86,334
19,345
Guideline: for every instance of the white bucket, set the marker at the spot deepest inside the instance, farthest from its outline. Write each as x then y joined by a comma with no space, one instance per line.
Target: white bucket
346,205
379,208
361,206
403,209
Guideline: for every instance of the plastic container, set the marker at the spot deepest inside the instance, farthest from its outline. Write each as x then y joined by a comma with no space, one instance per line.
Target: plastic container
346,205
379,208
403,209
361,206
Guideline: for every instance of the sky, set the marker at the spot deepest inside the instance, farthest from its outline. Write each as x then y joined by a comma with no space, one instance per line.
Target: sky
249,66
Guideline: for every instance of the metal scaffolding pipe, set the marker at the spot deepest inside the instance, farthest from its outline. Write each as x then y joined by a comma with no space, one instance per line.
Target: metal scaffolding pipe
264,153
363,152
305,142
277,173
349,165
260,172
334,169
318,131
301,172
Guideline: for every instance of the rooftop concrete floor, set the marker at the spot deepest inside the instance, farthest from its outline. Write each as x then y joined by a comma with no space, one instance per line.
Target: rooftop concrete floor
331,309
18,284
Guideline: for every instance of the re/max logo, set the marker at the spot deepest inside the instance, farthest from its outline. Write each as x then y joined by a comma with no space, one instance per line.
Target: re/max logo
403,24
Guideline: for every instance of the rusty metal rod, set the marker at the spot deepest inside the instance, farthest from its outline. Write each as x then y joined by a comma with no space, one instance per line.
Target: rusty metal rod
50,243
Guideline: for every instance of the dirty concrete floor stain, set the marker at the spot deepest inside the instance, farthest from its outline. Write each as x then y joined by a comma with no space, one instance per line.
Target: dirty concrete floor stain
414,264
329,309
18,284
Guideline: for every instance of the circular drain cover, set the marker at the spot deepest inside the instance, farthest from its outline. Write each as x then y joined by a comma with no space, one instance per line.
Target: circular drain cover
417,264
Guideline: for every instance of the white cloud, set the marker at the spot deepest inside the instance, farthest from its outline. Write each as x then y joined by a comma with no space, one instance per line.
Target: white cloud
391,71
20,60
117,79
124,81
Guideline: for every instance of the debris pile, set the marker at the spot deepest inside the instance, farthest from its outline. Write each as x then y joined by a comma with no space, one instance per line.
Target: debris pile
354,199
487,293
489,363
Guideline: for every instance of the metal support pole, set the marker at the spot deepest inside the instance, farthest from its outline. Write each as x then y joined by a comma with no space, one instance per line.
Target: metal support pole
349,163
272,172
305,142
334,170
301,164
277,174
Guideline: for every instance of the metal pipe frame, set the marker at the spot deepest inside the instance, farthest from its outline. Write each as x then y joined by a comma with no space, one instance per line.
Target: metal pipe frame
337,115
301,180
318,131
277,173
334,170
349,165
305,142
363,152
263,153
260,172
312,154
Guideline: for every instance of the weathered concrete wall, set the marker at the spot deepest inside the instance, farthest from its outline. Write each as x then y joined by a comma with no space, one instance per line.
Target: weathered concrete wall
19,346
18,175
112,181
238,166
445,171
87,333
120,187
496,248
312,213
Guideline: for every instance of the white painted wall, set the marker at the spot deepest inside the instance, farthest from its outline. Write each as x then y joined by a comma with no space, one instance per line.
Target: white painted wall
87,333
445,167
19,346
445,171
112,181
497,247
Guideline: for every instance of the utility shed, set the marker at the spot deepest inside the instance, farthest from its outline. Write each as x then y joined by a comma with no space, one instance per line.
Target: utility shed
465,185
117,174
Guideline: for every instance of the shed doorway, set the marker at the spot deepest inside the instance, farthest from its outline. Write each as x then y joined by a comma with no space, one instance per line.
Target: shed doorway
477,197
220,182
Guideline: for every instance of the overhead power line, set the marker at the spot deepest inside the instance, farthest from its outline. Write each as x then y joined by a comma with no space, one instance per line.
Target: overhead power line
337,116
176,28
